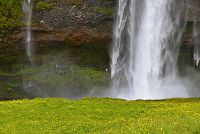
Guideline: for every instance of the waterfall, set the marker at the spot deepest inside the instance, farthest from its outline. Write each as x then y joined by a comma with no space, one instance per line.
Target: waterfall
147,36
27,8
196,35
196,43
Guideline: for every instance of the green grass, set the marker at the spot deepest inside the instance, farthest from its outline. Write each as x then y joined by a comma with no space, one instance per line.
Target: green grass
57,116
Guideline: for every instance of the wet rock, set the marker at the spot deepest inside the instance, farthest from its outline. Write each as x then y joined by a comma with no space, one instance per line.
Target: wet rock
43,34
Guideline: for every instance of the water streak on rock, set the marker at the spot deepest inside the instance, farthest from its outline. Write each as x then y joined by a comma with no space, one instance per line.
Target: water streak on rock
27,8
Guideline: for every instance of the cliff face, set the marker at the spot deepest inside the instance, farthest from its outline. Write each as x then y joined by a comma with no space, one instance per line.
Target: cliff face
87,18
92,13
77,20
80,29
80,21
69,14
193,8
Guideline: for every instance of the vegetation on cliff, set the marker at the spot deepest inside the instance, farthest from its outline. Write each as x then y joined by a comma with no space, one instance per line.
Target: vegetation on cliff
10,15
58,13
72,70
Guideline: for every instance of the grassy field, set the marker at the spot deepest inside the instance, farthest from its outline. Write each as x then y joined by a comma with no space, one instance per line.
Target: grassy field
57,116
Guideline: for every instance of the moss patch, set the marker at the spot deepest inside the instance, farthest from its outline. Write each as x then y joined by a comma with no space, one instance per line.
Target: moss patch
42,5
53,78
11,14
104,10
6,91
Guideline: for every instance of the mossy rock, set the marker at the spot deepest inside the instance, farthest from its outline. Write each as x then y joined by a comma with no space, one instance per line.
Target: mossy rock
6,91
42,5
49,80
10,56
104,10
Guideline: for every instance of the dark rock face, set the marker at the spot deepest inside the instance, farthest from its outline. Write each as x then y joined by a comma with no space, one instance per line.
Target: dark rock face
193,7
77,22
89,13
100,3
68,14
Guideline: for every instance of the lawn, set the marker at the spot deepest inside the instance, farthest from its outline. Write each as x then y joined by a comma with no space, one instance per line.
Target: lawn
105,116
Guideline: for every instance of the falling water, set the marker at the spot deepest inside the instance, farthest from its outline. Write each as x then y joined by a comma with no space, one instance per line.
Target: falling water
147,37
196,43
27,8
196,35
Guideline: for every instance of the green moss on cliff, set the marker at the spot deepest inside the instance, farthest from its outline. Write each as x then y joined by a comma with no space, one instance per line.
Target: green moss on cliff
41,5
9,55
6,91
104,10
10,12
10,15
77,77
